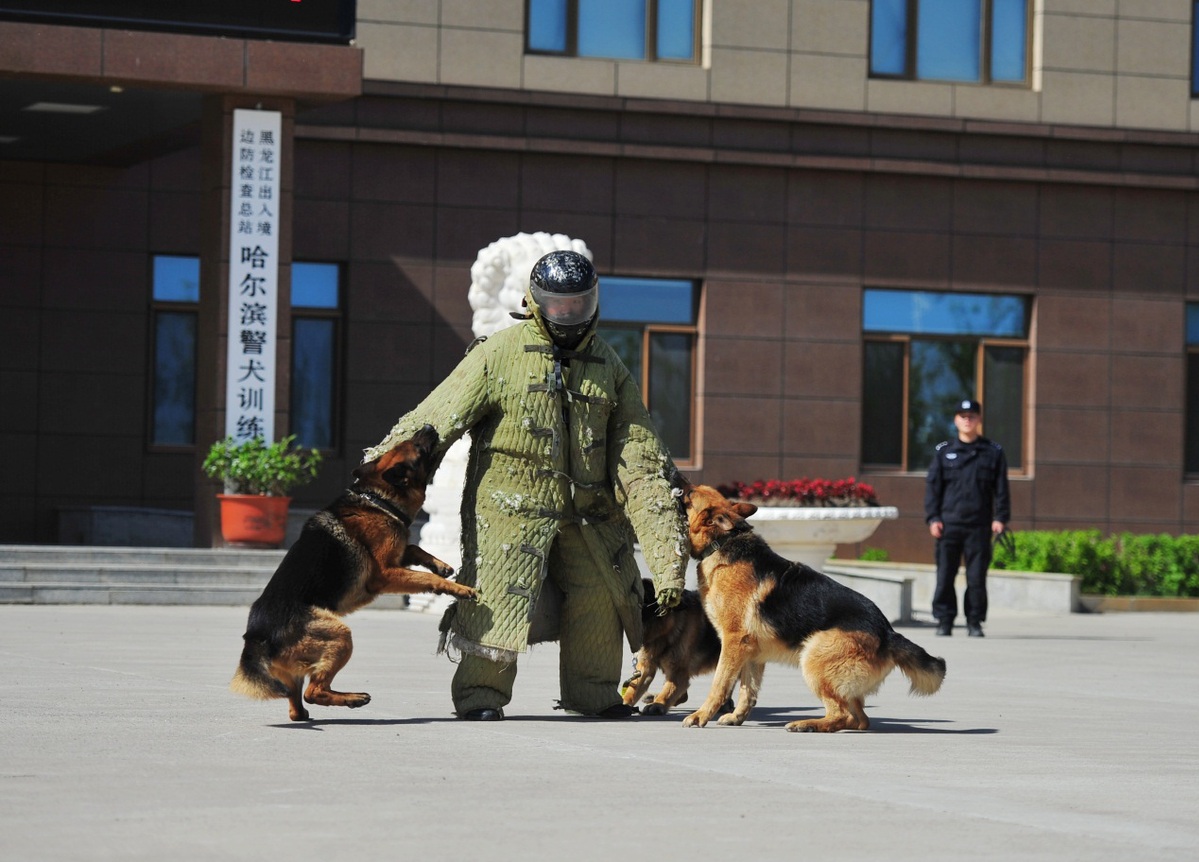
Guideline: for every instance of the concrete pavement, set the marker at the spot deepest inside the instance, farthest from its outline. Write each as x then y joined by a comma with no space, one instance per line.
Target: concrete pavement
1054,738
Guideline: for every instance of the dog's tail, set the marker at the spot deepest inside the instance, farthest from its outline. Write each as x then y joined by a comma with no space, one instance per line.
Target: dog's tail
924,672
253,675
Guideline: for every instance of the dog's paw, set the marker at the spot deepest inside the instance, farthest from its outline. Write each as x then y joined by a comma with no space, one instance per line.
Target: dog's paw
730,719
359,699
444,571
696,719
654,708
470,595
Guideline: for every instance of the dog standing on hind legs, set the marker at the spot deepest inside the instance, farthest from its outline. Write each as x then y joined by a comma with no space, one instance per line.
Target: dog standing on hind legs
348,553
768,609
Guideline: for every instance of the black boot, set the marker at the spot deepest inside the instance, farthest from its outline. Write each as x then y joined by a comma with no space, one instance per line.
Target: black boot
483,714
945,628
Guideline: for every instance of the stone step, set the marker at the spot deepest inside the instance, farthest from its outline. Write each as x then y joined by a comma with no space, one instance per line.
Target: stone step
59,574
52,593
75,554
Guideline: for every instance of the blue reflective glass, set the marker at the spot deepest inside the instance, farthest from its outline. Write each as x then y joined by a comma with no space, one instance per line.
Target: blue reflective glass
612,28
547,25
927,313
1009,40
174,378
1194,48
647,300
314,285
676,30
1193,323
948,37
888,37
176,279
312,382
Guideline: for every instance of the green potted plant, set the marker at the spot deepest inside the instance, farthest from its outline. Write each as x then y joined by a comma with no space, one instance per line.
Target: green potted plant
258,478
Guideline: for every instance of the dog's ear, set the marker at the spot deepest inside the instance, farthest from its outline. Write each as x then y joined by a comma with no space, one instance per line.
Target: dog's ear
744,509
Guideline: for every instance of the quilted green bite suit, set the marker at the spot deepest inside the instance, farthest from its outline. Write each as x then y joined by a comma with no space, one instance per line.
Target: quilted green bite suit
565,472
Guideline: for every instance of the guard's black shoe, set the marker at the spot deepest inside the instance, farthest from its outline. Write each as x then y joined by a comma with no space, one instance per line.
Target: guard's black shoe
618,710
483,714
974,630
944,629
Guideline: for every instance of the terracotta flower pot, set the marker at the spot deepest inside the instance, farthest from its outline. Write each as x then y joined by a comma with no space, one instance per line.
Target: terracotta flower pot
253,520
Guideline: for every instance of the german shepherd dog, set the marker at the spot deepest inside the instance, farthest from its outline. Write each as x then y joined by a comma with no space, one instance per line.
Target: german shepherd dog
348,553
767,609
681,642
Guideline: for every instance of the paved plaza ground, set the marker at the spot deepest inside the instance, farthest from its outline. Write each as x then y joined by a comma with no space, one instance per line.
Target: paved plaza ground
1054,738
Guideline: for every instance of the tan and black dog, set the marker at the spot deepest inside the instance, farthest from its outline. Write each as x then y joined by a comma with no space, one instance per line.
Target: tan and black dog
681,642
347,554
768,609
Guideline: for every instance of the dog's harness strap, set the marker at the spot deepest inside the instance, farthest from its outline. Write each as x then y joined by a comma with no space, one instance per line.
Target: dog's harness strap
716,544
382,503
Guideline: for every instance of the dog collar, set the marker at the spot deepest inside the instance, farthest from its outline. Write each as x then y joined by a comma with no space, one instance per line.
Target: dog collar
384,504
716,544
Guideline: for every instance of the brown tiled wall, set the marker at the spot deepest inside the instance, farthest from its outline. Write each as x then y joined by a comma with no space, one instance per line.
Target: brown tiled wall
783,219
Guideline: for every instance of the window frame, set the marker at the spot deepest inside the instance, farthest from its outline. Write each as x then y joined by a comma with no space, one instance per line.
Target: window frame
158,307
1195,49
908,464
571,50
647,330
912,49
337,397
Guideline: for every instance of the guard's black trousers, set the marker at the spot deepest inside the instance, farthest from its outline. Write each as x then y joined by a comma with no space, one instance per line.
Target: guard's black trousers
958,542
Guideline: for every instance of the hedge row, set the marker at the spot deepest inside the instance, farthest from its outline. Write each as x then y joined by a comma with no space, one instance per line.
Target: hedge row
1127,564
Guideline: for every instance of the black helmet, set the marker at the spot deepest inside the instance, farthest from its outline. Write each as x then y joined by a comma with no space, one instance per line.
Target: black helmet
566,289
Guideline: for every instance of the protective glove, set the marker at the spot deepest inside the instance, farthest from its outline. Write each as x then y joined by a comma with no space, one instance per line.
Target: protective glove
668,598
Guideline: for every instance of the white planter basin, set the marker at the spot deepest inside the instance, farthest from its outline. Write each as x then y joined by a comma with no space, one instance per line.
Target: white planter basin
810,534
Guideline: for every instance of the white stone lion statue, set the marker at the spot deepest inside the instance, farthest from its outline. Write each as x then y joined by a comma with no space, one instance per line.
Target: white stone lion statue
500,276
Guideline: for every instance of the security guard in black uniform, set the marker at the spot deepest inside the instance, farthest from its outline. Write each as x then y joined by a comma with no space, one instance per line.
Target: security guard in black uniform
966,503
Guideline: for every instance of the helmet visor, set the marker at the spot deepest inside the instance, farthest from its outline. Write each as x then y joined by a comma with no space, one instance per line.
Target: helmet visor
567,309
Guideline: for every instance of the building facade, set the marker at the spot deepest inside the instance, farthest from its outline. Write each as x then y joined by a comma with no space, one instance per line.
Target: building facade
818,223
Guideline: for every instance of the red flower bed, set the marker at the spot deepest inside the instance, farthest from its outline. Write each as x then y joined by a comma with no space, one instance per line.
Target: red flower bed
802,492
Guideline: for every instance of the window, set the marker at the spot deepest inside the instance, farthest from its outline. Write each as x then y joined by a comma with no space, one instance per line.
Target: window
651,323
983,41
615,29
315,368
1192,419
923,352
175,294
1194,50
316,336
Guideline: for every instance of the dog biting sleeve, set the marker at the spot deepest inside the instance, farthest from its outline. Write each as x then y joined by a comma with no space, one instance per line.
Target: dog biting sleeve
457,404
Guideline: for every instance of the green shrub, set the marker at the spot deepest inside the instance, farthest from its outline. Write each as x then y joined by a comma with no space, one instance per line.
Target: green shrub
1128,564
875,555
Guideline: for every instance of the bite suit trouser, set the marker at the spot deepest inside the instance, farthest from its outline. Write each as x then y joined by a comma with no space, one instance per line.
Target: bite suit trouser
591,640
974,544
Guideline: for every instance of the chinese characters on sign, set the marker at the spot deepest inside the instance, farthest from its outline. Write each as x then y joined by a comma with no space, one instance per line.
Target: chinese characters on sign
253,275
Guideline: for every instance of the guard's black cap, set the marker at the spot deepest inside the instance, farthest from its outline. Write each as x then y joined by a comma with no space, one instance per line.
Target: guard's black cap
966,405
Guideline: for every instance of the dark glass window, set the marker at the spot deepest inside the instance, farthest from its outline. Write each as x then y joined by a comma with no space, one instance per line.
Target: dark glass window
175,291
923,351
316,331
1192,418
984,41
614,29
651,323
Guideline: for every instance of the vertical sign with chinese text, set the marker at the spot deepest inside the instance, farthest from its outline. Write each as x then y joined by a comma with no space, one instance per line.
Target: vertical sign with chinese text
253,275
